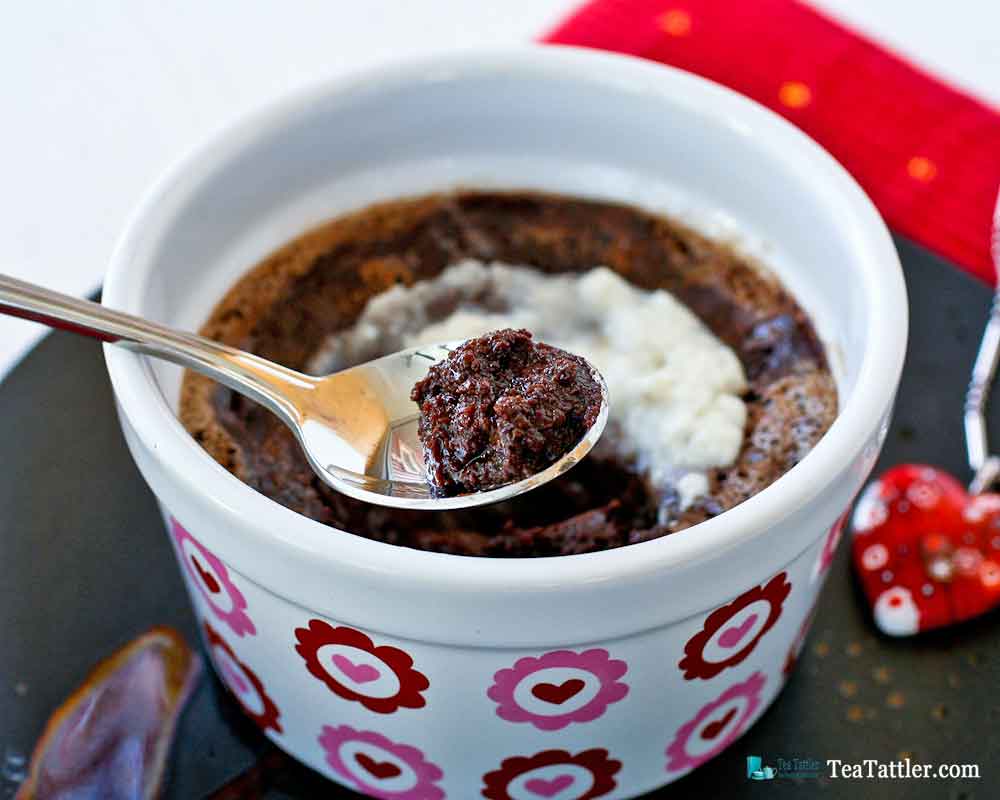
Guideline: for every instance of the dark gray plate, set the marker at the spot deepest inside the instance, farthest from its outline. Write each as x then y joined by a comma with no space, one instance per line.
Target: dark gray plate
85,566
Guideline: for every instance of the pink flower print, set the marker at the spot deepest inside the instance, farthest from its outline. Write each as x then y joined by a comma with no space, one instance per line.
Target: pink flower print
211,578
717,725
558,688
378,767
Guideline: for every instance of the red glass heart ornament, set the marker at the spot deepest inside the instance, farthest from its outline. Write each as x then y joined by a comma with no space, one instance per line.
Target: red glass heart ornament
926,551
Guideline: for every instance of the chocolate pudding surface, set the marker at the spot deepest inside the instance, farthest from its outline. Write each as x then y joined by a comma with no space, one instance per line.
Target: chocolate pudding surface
289,306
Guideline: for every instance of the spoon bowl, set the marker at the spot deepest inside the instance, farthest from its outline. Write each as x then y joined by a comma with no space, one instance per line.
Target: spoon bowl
389,468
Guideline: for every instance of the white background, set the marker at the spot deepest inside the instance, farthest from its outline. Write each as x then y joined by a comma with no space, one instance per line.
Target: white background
99,97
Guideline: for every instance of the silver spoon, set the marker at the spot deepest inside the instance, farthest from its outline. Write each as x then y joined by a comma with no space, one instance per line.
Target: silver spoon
358,427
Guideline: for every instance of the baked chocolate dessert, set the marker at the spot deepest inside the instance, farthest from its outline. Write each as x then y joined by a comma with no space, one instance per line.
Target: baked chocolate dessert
718,384
500,409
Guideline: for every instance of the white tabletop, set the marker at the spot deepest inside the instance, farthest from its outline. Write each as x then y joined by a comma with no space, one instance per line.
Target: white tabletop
101,96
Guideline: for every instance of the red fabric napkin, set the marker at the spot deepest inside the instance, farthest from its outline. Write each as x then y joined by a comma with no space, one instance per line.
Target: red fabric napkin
927,154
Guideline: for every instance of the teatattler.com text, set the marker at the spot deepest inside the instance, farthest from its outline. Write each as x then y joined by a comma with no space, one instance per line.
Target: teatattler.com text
873,768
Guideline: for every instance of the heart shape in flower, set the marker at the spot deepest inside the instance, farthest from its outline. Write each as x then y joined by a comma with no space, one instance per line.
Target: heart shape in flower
927,552
206,577
734,634
359,673
550,788
234,679
558,694
378,769
716,727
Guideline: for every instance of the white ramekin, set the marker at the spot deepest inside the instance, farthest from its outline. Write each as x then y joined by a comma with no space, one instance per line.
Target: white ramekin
413,675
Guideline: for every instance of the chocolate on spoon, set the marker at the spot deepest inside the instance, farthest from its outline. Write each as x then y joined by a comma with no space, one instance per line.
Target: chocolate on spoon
501,408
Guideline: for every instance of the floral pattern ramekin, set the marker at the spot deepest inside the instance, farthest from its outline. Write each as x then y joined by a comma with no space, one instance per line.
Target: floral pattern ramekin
421,676
394,718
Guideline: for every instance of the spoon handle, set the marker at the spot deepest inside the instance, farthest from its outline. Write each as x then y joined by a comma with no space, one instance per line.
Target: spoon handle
257,378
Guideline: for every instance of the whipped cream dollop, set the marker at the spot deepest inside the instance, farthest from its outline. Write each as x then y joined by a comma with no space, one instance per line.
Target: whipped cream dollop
674,388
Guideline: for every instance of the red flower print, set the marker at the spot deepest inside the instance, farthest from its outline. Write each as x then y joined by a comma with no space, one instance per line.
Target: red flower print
553,774
829,550
559,688
378,767
242,682
800,639
731,633
211,578
717,725
382,678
